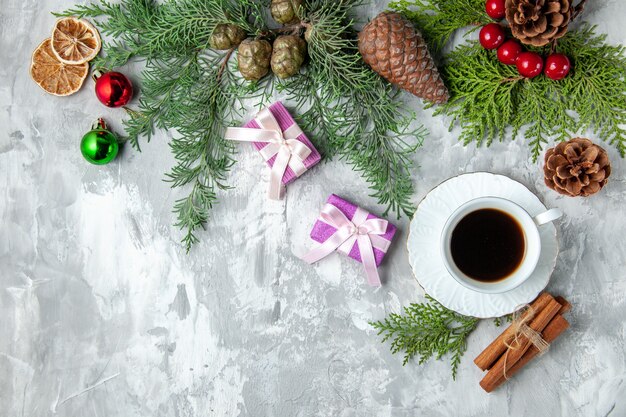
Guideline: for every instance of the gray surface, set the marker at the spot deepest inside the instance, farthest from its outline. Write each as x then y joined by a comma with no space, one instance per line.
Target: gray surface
102,313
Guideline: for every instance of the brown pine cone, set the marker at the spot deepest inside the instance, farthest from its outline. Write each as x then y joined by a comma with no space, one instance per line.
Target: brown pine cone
226,36
392,46
288,55
537,22
577,167
253,58
285,11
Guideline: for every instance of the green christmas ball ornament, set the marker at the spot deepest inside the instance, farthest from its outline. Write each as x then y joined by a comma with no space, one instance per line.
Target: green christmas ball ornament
99,146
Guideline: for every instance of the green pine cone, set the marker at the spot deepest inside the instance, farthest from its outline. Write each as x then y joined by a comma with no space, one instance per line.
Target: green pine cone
285,11
288,56
253,58
226,36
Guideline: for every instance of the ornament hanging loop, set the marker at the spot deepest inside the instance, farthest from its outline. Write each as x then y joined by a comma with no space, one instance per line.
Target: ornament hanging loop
99,124
96,73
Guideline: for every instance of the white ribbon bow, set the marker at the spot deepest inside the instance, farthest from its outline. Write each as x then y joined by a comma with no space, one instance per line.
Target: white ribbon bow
366,233
289,151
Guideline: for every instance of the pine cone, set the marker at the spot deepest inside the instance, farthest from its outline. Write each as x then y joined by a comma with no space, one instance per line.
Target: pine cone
395,50
537,22
288,55
253,58
576,168
285,11
226,36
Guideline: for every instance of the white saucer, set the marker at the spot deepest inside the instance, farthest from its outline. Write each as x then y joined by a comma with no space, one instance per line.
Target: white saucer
425,239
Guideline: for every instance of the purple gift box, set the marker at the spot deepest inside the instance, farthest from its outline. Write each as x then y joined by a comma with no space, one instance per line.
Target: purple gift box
285,120
322,231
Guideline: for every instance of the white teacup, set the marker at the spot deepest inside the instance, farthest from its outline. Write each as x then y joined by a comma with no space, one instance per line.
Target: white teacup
532,243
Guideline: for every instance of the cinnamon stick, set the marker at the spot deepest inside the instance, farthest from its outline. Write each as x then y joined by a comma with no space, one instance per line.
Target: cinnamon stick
565,305
492,352
552,331
510,358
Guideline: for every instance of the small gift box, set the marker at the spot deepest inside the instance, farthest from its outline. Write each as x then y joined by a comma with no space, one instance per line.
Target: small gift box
281,142
349,229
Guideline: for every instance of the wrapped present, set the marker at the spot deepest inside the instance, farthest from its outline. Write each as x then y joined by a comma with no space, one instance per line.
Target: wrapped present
281,142
347,228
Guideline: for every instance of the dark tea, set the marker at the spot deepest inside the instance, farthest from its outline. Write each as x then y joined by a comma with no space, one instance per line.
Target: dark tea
488,245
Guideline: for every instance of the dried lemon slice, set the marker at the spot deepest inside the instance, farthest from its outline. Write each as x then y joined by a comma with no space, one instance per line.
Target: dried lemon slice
54,76
75,41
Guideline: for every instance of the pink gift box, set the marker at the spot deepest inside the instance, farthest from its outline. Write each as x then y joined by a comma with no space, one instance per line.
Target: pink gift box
285,120
322,231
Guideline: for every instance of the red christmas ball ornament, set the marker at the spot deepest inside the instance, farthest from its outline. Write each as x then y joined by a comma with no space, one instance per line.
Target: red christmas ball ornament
557,66
113,89
495,9
529,64
509,51
491,36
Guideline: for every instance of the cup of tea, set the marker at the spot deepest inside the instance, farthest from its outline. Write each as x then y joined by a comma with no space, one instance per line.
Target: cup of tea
492,245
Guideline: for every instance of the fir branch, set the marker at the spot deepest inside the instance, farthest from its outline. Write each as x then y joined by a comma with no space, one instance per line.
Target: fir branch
437,20
163,82
374,136
148,30
182,88
203,156
487,97
427,330
196,94
328,121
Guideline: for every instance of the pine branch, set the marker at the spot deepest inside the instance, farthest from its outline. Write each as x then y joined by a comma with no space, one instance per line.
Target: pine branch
203,155
355,112
182,88
328,121
489,97
427,330
164,81
437,20
196,93
148,30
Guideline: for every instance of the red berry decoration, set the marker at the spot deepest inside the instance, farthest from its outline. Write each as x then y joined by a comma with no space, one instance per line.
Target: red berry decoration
557,66
491,36
495,9
529,64
113,89
509,51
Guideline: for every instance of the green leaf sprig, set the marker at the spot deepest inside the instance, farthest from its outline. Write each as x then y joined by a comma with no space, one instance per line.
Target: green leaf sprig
427,330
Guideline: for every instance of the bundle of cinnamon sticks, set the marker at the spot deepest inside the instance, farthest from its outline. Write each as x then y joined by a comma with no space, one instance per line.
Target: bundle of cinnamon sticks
513,349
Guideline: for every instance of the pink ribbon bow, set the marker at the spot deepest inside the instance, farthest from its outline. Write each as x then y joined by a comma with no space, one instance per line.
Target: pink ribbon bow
289,151
365,232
